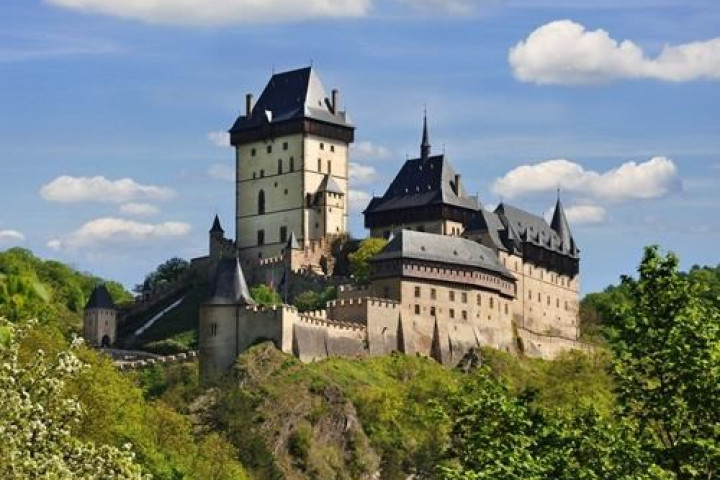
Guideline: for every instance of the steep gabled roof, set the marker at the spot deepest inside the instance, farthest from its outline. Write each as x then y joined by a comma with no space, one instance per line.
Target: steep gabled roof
532,229
230,286
329,184
561,226
442,249
292,95
216,227
422,182
100,298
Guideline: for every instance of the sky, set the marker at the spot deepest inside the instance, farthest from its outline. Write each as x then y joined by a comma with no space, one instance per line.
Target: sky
113,113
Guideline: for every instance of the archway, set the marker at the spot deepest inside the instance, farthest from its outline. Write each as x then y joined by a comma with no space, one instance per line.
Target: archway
105,343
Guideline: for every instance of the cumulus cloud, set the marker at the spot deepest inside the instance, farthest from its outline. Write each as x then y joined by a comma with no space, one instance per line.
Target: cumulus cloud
358,200
586,214
116,232
565,52
221,171
219,138
450,6
220,12
67,189
362,174
656,178
11,236
139,209
369,151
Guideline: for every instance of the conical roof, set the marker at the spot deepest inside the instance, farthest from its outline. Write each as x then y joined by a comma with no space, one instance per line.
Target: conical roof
425,145
216,227
100,298
560,224
292,242
230,286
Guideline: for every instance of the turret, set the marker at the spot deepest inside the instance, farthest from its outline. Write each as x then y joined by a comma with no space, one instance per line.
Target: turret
560,225
100,319
425,145
217,235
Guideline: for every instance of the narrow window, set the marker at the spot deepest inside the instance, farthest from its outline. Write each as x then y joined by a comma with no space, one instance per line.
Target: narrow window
253,152
261,237
285,145
452,296
280,169
261,202
283,234
417,292
417,309
464,314
463,296
262,173
269,149
529,294
332,148
557,303
479,300
322,146
433,293
292,164
329,170
539,297
548,300
319,165
492,303
452,313
506,309
432,311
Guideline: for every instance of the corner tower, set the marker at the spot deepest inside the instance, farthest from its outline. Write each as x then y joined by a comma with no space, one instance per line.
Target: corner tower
100,319
291,151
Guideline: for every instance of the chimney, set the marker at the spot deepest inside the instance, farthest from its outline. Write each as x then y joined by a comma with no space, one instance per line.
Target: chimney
457,184
335,101
248,104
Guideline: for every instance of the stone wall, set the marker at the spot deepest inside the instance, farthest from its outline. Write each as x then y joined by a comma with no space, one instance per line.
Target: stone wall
548,347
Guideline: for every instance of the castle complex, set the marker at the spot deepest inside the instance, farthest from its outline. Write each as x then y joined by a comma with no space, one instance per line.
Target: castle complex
453,275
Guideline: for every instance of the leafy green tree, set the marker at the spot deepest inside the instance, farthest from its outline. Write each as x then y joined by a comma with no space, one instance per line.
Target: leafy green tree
165,273
667,364
37,419
265,295
310,300
360,259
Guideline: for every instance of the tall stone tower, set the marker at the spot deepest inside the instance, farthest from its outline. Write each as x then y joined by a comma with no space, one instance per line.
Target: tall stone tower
291,152
100,321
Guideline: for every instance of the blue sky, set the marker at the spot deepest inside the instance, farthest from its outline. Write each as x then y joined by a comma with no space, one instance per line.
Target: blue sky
523,95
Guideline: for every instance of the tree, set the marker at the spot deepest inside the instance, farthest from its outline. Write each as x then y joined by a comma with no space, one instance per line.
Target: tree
265,295
360,259
310,300
165,273
37,418
666,341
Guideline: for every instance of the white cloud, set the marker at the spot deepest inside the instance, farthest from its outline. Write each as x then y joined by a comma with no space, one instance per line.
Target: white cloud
139,209
586,214
369,151
67,189
11,236
658,177
565,52
359,200
220,12
117,232
450,6
362,174
221,171
219,138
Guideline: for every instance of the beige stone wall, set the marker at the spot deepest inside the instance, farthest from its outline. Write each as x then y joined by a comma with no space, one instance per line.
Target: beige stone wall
546,303
97,323
548,347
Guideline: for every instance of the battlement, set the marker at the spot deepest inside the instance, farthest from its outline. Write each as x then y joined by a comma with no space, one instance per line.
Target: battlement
371,301
353,291
271,308
311,319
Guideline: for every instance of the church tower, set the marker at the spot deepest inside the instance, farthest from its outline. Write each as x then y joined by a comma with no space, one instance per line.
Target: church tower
291,151
100,320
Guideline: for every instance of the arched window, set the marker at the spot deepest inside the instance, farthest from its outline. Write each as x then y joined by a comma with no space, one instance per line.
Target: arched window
261,202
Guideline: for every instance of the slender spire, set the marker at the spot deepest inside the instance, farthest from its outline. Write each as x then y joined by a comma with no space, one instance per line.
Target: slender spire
216,227
560,225
425,145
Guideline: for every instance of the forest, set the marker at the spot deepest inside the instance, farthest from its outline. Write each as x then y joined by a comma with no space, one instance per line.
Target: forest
645,404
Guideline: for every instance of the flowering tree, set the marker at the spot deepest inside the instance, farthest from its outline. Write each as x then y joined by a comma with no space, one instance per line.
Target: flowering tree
36,419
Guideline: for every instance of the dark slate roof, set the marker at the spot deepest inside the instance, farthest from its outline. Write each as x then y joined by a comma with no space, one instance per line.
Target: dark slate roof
422,182
292,95
528,228
216,227
100,298
560,224
442,249
230,286
329,184
489,222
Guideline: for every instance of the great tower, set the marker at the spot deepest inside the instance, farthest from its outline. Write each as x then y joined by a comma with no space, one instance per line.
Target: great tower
291,151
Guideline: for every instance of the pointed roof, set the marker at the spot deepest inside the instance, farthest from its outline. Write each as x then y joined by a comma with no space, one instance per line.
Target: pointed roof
560,224
425,145
292,95
329,184
216,227
292,242
230,286
100,298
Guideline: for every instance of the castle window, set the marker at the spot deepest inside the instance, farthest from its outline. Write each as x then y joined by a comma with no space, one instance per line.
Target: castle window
432,311
417,292
319,165
566,305
479,300
213,329
286,191
269,149
261,237
417,309
253,152
322,146
452,313
539,297
433,293
329,167
548,300
292,164
254,175
285,145
463,296
492,303
464,314
280,170
261,202
283,234
529,294
506,309
452,296
262,173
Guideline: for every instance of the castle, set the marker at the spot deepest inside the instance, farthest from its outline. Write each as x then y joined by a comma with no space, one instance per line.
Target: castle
453,275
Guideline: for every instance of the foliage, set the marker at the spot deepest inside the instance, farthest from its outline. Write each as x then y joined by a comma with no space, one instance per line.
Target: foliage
38,418
666,341
311,300
46,289
360,259
165,273
265,295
